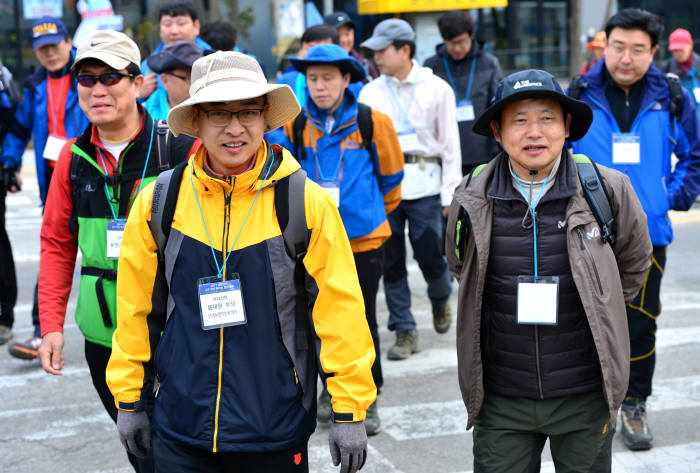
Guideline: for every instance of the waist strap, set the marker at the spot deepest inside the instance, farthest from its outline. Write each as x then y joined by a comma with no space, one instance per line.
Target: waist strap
100,274
414,158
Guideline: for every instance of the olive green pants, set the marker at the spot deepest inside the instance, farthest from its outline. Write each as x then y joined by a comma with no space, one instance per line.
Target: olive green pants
510,433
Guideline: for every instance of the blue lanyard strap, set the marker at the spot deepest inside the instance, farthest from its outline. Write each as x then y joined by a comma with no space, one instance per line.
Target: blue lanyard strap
534,216
110,198
452,83
220,269
318,164
402,111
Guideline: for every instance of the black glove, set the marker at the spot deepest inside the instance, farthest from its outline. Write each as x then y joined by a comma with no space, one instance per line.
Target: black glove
135,432
9,179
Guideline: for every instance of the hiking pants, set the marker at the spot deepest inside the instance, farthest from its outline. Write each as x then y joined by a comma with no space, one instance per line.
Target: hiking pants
510,433
8,277
170,456
370,267
424,218
641,318
97,357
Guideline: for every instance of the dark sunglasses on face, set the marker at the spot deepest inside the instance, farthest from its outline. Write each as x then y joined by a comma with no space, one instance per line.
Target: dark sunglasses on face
108,78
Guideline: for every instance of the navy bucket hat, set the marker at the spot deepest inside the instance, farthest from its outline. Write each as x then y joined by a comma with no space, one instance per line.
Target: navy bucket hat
535,84
333,55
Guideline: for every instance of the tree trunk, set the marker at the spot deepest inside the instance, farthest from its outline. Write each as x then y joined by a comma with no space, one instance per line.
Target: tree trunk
575,52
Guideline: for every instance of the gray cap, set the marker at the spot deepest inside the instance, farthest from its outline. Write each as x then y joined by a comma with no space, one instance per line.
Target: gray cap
179,55
388,31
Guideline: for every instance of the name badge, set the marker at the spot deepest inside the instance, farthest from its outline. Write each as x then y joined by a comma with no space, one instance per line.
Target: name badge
53,147
626,149
696,92
333,188
115,231
408,139
537,300
220,302
465,111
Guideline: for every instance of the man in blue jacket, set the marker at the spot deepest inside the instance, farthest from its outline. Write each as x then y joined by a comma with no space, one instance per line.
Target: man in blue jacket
49,113
635,130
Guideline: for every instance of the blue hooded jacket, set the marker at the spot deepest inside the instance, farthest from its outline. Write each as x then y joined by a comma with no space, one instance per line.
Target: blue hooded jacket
659,189
31,118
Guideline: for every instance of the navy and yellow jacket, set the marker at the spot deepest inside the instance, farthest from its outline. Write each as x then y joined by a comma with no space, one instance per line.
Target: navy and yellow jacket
244,387
365,198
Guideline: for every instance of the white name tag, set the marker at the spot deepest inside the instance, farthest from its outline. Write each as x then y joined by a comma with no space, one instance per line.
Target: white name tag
626,149
220,302
115,231
53,147
465,111
696,92
333,188
537,301
408,139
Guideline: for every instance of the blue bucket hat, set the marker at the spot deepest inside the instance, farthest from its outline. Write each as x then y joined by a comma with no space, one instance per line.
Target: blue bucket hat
47,30
535,84
334,55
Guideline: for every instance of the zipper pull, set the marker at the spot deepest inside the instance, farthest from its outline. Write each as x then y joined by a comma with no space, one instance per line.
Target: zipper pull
580,238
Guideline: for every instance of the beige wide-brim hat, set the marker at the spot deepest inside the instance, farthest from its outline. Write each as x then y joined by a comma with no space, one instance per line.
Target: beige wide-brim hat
226,76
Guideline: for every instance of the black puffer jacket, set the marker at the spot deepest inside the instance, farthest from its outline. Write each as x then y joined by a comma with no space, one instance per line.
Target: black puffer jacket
476,149
534,361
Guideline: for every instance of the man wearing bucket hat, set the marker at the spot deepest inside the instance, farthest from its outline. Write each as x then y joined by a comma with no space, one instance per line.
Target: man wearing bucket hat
234,387
684,62
543,348
96,179
174,64
49,114
423,110
366,183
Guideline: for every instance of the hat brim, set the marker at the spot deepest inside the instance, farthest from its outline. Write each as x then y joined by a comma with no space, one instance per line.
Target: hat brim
283,105
581,113
677,46
376,43
47,39
349,64
111,60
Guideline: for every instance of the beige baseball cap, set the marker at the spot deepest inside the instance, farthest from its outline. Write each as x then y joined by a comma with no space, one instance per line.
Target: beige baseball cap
113,48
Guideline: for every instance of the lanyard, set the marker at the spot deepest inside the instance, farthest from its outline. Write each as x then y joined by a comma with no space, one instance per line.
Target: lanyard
398,103
534,214
319,170
471,78
220,269
56,102
110,197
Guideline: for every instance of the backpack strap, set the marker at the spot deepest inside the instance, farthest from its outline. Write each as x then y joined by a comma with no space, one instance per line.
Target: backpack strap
298,136
165,194
675,106
163,133
577,86
596,196
291,217
74,180
366,127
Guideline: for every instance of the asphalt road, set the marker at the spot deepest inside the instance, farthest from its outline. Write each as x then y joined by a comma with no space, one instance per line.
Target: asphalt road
57,424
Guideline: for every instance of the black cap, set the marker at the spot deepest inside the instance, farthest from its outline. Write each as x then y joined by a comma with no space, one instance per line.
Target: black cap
180,55
338,19
532,84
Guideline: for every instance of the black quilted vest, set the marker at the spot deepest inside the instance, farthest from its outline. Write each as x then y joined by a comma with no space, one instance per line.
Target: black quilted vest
534,361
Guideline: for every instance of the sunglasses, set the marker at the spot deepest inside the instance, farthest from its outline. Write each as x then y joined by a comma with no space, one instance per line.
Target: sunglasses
108,78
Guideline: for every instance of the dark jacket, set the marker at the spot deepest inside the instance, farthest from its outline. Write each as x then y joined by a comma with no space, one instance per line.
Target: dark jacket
606,278
476,149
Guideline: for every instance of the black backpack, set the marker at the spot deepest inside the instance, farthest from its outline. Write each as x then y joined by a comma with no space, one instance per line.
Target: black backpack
593,189
291,217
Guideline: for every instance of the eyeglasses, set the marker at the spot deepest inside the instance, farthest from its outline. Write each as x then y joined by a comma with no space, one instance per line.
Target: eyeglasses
636,52
108,78
184,78
246,117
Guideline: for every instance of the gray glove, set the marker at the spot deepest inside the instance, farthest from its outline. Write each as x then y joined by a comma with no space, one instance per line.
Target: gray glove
348,443
134,432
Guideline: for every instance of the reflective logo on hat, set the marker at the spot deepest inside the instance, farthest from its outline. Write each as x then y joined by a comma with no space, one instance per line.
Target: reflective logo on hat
526,83
44,28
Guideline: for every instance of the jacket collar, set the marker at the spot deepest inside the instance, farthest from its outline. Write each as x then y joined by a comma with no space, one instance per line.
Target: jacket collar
88,140
344,115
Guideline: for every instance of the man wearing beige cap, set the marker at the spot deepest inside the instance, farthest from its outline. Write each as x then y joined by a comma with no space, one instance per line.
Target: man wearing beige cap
95,181
251,280
685,63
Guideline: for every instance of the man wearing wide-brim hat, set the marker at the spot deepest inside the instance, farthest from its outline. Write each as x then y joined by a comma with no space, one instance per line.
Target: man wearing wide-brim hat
542,339
365,179
235,392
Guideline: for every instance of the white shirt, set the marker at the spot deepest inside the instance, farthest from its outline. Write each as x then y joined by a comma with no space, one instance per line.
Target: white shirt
427,104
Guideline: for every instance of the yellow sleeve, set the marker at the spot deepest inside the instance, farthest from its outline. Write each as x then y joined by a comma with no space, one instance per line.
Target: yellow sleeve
347,351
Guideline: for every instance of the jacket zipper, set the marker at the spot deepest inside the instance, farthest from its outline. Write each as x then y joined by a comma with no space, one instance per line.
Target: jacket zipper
537,361
224,247
591,260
